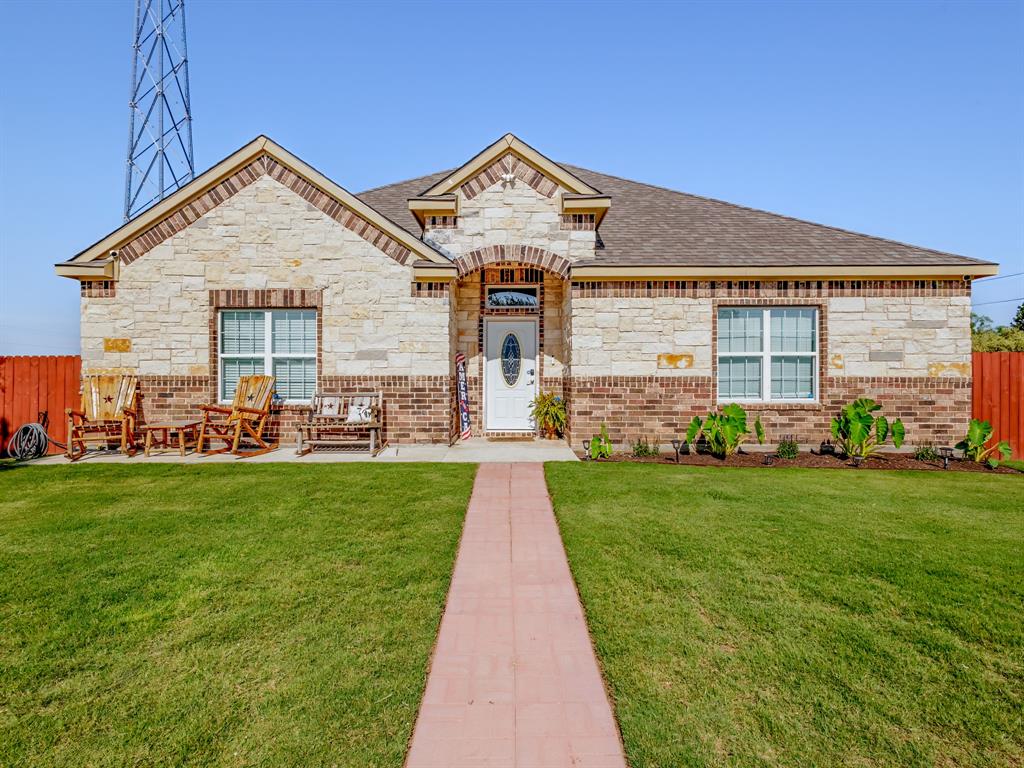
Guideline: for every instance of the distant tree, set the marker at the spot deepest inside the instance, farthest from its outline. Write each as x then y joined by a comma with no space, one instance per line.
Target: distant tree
980,323
1004,339
1018,319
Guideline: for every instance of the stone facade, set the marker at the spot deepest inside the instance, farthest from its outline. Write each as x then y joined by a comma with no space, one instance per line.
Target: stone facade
375,325
639,356
511,214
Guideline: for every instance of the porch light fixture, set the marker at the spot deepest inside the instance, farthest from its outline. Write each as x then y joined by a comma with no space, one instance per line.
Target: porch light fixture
945,454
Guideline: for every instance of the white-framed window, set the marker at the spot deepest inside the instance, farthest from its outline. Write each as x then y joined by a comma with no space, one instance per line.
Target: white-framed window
767,353
277,342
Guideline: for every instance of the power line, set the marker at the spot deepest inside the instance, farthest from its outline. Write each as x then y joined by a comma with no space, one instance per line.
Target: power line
987,280
1001,301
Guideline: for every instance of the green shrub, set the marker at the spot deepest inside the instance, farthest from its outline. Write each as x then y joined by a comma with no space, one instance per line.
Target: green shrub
860,434
787,449
549,413
724,430
642,448
973,445
601,445
926,453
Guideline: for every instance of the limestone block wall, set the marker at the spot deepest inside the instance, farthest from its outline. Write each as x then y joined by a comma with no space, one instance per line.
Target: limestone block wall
512,214
908,336
626,336
266,237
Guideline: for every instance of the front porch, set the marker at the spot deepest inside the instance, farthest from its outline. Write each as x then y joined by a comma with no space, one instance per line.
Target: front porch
472,451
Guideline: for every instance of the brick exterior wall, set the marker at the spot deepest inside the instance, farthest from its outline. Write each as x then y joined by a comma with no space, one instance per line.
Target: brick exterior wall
415,407
935,410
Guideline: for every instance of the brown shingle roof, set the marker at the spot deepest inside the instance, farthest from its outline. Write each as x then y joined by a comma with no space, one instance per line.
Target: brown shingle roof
649,225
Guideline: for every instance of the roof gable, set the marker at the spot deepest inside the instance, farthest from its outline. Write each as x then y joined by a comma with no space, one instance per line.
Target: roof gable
260,157
510,144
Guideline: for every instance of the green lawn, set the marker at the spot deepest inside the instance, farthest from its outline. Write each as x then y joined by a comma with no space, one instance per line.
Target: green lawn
226,615
803,617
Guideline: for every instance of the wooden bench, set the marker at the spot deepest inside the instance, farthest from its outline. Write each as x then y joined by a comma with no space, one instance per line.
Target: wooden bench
332,420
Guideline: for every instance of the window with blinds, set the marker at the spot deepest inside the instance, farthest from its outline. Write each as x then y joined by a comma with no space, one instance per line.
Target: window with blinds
280,342
767,354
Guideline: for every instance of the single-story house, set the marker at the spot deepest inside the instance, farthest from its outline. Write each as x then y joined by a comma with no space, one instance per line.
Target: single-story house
641,305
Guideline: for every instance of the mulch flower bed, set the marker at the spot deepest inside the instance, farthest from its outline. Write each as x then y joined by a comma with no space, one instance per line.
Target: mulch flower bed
882,461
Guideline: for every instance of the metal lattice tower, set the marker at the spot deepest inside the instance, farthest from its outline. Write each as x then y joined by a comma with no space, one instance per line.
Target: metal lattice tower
160,120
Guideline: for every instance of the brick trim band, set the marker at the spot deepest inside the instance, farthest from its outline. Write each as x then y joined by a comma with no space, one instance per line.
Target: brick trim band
270,298
522,254
509,163
98,289
242,178
766,290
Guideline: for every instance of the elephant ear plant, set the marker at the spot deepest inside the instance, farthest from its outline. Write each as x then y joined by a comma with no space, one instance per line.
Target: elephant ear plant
860,433
725,430
973,445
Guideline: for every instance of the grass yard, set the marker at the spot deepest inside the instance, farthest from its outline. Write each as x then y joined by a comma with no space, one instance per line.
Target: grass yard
803,617
268,615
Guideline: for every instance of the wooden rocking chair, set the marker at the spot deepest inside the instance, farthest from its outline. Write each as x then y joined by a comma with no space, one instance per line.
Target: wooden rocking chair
246,418
108,414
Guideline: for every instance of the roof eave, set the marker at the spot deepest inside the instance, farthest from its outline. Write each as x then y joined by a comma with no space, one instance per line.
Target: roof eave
859,272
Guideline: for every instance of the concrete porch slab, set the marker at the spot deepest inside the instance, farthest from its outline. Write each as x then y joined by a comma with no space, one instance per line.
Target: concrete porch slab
473,451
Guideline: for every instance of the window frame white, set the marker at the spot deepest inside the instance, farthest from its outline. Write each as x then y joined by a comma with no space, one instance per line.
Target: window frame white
766,354
268,347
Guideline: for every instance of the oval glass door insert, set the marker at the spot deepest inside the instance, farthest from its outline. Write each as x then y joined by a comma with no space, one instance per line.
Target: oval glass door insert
511,359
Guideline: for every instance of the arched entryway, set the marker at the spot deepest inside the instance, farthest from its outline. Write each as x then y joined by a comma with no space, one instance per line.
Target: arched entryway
509,320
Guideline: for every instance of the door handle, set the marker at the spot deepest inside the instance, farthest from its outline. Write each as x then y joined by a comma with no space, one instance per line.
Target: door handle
530,372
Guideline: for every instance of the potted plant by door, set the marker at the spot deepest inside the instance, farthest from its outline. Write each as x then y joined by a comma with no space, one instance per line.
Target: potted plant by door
549,413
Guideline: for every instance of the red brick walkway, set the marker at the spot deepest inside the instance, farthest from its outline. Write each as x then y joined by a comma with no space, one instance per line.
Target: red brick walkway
514,682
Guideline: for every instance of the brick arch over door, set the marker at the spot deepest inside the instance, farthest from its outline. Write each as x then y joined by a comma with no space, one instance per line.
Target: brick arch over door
523,254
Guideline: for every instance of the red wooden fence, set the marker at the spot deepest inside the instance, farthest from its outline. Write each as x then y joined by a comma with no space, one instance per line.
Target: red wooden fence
998,395
29,385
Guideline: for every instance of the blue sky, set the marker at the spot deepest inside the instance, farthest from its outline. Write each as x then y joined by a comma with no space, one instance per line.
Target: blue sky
904,120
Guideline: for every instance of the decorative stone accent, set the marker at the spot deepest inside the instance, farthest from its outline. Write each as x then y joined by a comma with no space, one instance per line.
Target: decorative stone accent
885,356
117,345
508,163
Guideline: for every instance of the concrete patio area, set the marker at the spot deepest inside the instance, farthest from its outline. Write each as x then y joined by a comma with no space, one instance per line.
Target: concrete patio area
473,451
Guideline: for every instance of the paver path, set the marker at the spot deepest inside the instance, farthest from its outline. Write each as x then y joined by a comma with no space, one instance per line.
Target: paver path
514,682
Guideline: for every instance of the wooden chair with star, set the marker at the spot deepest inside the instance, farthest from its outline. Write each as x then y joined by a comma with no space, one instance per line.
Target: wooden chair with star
108,415
245,420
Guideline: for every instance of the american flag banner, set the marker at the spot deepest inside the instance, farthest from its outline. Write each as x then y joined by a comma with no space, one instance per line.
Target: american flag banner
463,389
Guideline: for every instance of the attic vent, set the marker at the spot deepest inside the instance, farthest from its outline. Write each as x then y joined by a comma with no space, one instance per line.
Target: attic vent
440,222
578,221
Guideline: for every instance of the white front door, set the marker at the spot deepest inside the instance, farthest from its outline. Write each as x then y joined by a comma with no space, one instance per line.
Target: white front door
510,374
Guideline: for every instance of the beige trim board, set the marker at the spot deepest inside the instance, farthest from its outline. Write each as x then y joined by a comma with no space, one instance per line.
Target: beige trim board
526,153
435,273
215,175
809,272
106,269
